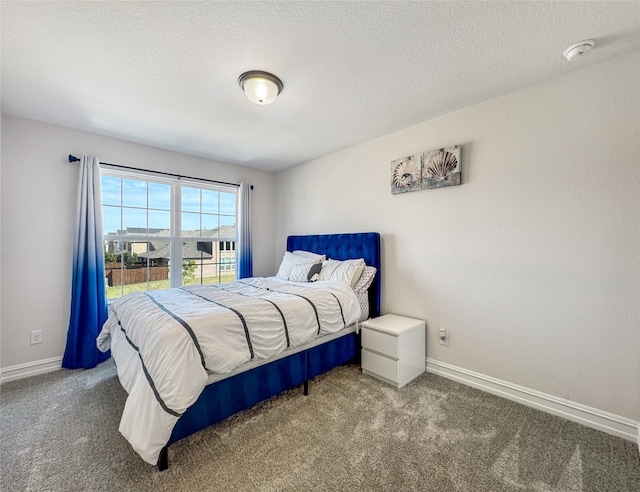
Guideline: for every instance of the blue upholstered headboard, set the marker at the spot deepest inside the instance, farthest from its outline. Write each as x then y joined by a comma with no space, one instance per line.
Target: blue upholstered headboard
345,247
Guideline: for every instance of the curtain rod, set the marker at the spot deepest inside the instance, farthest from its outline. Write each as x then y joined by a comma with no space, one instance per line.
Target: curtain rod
73,158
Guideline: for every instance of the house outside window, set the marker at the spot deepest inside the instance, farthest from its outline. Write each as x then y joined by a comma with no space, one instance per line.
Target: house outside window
151,224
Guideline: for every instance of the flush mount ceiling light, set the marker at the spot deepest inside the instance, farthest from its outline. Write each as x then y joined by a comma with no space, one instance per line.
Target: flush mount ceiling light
260,87
578,49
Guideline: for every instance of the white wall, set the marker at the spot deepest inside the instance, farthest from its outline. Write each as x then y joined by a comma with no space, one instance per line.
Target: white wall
533,263
38,210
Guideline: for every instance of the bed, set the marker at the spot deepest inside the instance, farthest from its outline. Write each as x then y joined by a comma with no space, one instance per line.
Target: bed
153,414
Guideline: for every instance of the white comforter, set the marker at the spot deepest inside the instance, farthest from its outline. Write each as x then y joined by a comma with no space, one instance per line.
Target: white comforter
165,342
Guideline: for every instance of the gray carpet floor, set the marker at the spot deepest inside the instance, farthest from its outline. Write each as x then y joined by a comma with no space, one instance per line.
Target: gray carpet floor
353,432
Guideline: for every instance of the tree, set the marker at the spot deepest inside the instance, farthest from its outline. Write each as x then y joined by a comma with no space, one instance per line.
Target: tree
110,257
188,270
129,259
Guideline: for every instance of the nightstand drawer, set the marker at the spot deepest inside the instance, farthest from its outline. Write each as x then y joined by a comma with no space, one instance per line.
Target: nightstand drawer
380,342
380,365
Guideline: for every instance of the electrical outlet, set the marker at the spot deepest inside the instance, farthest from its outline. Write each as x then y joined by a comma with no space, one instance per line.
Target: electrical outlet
36,336
444,337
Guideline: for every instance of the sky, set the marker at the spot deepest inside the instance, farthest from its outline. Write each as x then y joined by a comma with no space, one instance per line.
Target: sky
139,203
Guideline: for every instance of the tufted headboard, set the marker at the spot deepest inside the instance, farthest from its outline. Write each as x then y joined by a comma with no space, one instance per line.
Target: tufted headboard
345,247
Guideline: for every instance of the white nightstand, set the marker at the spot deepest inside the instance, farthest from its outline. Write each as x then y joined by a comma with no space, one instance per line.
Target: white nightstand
393,348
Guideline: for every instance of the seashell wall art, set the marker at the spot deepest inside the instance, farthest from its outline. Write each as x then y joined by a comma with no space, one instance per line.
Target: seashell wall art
406,174
432,169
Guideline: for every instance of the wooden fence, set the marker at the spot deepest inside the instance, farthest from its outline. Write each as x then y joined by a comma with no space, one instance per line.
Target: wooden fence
115,276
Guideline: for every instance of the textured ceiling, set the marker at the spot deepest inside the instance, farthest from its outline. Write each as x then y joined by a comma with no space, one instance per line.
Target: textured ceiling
165,73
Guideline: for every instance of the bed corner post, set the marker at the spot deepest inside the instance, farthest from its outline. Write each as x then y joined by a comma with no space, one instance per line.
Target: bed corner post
163,459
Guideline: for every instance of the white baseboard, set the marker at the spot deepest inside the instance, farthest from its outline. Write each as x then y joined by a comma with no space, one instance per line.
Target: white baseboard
27,369
582,414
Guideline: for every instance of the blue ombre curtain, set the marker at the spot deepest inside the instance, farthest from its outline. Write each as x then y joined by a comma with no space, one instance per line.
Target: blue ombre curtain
245,257
88,299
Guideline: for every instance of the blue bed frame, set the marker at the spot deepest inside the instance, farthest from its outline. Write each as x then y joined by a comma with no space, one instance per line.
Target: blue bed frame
234,394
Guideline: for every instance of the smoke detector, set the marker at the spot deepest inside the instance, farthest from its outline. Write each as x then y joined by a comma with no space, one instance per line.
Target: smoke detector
578,49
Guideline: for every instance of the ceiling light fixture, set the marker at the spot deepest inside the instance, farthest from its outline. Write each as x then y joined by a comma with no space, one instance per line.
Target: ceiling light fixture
260,87
578,49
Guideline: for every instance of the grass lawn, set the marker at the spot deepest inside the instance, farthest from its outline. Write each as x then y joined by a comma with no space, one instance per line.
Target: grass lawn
114,292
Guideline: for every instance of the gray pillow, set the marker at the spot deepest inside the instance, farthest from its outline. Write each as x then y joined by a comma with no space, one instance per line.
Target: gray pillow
314,272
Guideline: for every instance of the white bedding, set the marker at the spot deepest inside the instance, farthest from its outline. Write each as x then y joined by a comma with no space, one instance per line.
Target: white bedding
166,343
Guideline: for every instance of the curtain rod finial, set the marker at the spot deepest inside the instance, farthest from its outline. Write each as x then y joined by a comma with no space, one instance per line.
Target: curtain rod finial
73,158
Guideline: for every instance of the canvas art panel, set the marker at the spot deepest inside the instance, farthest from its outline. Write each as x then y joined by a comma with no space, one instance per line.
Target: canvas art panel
406,174
441,167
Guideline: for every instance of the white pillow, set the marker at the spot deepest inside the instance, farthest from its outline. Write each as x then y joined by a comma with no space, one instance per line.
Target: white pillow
347,271
305,273
309,254
289,260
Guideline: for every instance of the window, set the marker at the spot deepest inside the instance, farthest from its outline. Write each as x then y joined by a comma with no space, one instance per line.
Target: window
208,226
228,246
151,224
227,264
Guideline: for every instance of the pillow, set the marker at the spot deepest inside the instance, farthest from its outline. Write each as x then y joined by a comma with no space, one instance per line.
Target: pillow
289,260
305,273
366,279
309,254
347,271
